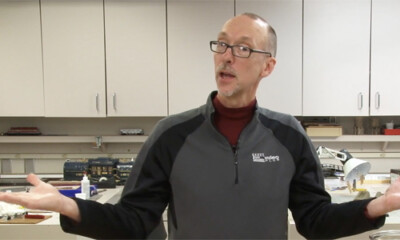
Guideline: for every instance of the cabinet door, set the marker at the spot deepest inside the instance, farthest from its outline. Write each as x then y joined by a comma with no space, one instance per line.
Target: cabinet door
336,57
192,24
385,58
136,58
21,78
282,90
73,58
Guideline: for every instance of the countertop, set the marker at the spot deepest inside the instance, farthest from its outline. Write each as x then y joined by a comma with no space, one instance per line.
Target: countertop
344,195
50,228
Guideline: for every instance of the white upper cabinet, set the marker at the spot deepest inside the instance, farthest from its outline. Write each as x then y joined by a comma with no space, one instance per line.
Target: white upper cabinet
136,58
282,90
336,57
73,58
192,24
21,77
385,57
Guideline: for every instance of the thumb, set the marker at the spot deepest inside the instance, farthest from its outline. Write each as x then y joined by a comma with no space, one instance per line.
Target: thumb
33,179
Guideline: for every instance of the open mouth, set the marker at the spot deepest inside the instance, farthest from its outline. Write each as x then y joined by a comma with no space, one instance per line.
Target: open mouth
226,75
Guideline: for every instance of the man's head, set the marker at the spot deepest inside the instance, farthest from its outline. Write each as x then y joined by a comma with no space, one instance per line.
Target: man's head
237,77
270,37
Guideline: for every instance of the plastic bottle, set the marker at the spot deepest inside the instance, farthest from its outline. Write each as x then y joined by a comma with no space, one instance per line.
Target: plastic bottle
85,186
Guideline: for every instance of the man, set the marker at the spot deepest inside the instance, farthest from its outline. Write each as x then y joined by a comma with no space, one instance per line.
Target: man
228,169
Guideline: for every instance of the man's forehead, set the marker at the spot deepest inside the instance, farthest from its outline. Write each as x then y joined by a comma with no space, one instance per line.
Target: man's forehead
241,38
244,27
246,21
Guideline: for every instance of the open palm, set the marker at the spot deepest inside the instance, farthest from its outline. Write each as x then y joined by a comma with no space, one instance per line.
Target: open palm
43,196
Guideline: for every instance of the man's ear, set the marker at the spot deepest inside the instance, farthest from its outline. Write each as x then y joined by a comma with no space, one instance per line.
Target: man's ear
269,67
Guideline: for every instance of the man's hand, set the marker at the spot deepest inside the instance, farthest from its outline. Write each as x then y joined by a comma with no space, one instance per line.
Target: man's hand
44,197
390,201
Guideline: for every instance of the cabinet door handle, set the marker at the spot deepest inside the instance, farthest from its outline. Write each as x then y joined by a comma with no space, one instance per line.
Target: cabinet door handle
115,101
360,101
377,100
97,103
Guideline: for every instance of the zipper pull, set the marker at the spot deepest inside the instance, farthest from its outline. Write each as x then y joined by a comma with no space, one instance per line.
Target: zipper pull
235,151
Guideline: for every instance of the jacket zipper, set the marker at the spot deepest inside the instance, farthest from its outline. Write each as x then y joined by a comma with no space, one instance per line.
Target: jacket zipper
235,152
236,162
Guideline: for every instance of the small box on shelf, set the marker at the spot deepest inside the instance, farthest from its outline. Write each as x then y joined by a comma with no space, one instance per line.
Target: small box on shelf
391,131
324,131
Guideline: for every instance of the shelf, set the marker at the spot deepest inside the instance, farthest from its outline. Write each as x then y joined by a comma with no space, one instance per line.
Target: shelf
125,139
100,140
358,138
73,139
384,139
142,138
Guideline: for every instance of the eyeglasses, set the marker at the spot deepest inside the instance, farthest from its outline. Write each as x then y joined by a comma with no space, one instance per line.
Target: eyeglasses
237,50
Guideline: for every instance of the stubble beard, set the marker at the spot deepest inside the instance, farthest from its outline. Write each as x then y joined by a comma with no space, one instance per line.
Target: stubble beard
229,92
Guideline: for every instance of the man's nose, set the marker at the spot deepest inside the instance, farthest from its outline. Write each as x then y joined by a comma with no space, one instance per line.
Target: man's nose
228,55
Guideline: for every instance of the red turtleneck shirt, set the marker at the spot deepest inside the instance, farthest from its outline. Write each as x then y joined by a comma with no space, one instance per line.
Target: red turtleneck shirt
231,121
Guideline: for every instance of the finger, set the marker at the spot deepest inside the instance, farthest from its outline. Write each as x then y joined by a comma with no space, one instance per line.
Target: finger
33,179
14,198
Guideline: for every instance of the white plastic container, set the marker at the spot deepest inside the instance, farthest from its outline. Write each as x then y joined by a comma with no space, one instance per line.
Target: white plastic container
85,186
389,125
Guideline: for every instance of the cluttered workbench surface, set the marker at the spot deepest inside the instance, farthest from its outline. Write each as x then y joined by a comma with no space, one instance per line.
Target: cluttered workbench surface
49,228
46,225
340,193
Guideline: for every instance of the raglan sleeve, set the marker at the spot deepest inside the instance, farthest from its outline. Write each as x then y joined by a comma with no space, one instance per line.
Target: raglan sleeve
315,215
144,199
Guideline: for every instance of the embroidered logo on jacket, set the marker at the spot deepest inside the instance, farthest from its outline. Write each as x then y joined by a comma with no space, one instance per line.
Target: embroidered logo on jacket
260,157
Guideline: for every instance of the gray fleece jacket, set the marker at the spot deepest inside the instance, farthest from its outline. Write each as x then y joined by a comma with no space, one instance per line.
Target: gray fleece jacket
216,192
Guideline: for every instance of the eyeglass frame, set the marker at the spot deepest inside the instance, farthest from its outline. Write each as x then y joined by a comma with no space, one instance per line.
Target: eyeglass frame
251,50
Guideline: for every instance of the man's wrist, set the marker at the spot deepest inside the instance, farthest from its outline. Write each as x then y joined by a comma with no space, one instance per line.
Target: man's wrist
70,209
376,208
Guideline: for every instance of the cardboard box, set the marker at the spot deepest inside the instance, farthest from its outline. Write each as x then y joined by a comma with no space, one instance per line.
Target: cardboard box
324,131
